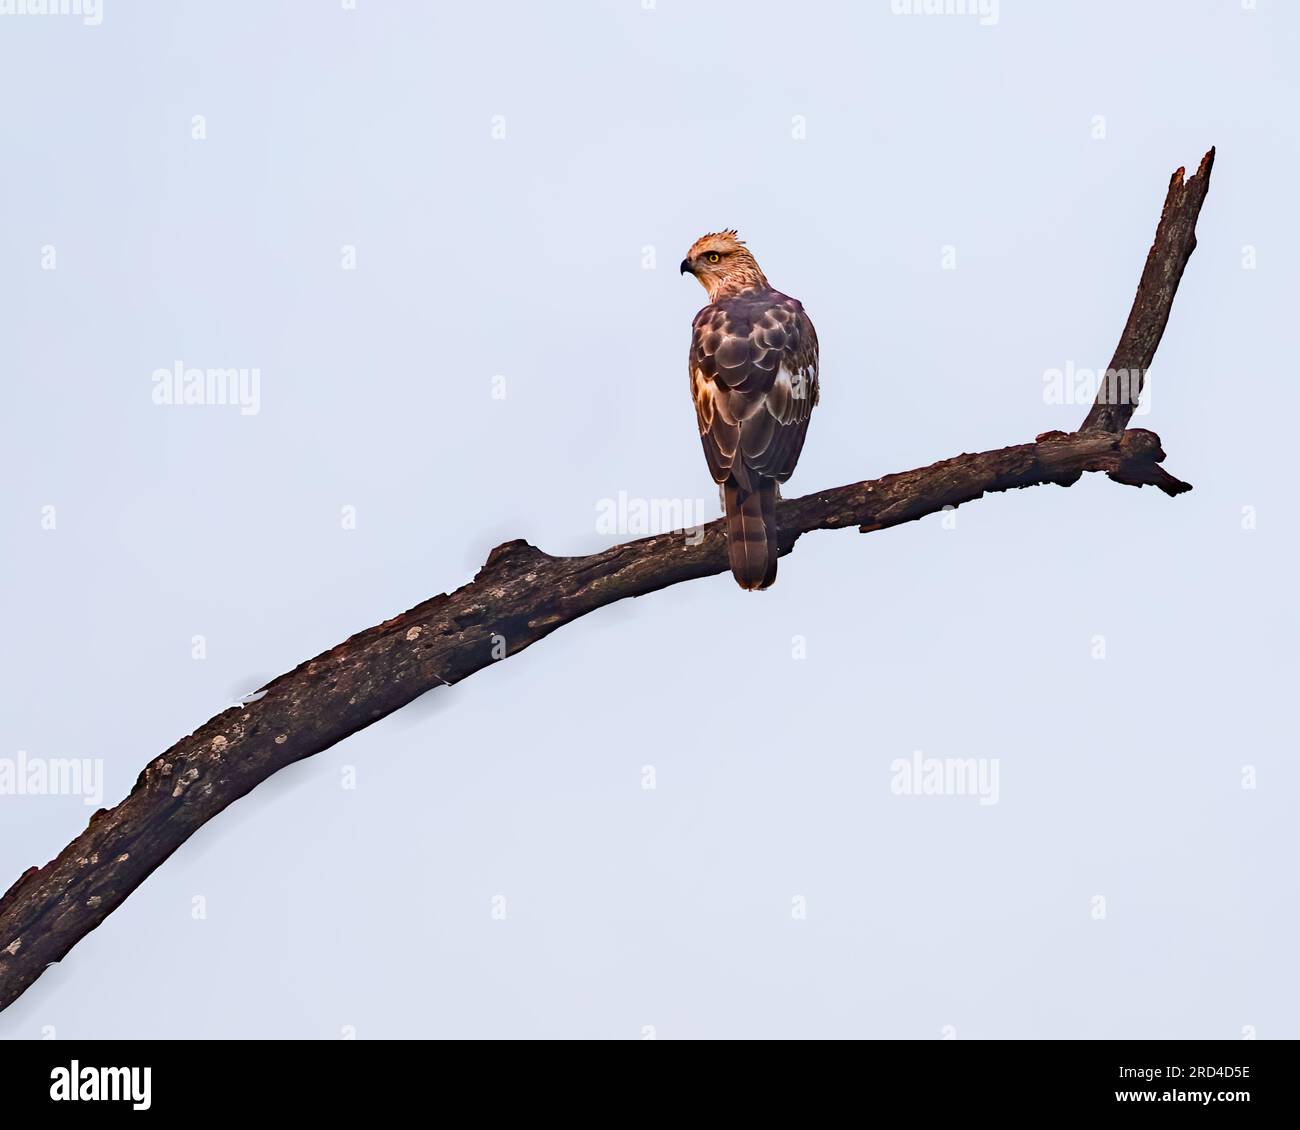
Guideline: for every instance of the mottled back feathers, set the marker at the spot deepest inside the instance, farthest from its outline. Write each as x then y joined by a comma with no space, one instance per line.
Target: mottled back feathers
753,369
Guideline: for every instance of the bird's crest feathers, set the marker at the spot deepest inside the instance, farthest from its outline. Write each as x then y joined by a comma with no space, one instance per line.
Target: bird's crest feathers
720,241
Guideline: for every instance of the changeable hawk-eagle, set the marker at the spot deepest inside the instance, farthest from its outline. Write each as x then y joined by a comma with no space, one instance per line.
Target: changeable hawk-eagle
753,374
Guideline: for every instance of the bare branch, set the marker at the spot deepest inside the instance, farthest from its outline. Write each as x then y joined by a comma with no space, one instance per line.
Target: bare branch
1173,246
520,596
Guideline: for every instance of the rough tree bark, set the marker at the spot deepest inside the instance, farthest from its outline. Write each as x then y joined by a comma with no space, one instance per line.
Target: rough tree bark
522,595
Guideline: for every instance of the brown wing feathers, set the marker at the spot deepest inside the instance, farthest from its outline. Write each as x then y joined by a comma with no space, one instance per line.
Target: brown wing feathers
754,382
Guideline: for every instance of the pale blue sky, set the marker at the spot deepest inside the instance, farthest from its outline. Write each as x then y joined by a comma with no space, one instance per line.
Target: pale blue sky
370,909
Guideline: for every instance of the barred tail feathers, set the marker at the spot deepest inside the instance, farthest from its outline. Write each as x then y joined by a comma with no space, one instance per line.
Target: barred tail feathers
751,533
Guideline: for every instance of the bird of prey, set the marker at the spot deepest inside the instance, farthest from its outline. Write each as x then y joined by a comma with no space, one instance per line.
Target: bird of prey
753,374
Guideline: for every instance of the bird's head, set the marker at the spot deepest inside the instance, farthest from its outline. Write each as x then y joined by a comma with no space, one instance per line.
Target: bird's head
722,264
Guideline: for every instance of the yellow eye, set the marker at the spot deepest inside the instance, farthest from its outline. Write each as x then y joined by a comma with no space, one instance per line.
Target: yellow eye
713,256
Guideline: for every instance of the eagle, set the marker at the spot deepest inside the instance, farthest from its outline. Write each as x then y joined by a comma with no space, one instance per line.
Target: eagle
753,370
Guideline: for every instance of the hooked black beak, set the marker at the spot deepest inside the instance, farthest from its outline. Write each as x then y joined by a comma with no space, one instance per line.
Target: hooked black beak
686,267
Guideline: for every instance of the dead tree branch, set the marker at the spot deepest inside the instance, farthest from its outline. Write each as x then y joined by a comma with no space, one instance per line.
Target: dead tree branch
520,596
